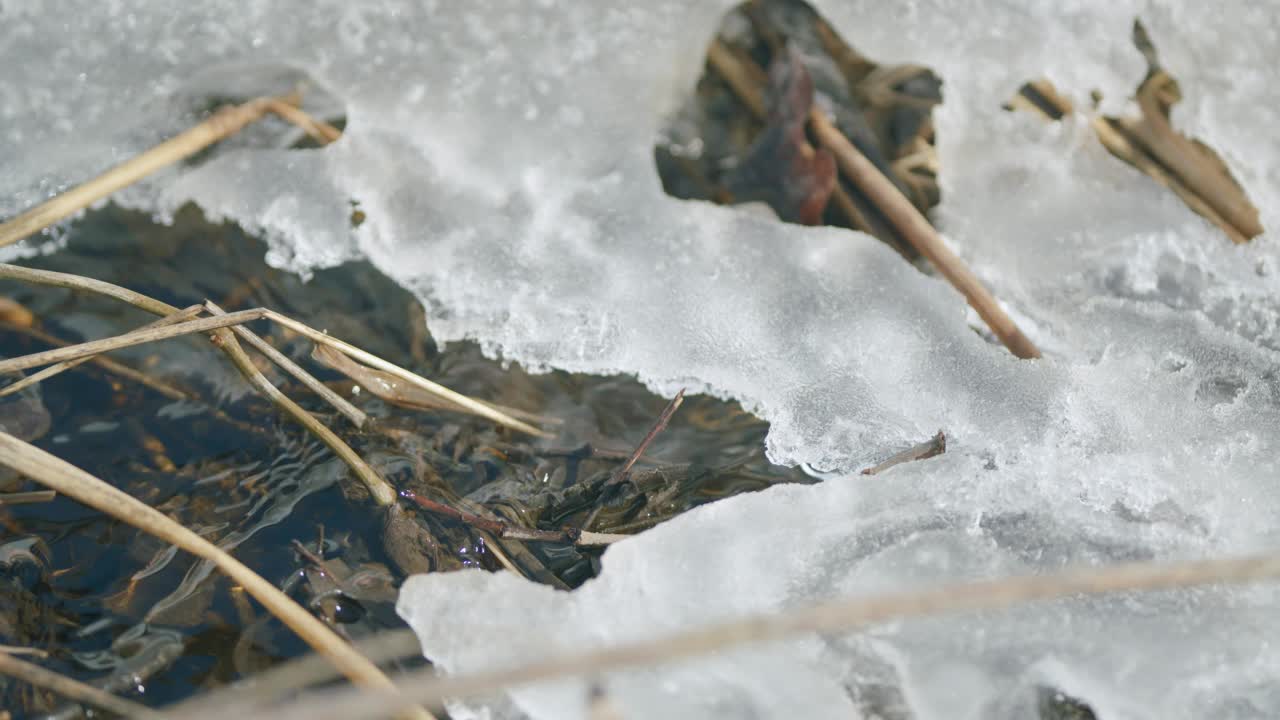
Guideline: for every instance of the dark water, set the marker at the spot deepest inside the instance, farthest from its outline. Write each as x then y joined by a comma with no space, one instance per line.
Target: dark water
121,610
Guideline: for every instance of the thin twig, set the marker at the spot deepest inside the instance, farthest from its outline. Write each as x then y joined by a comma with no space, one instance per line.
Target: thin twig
498,528
397,392
932,447
913,227
129,339
154,306
20,650
381,492
73,482
221,124
622,473
842,615
27,498
182,316
71,688
471,405
885,196
106,363
319,130
307,670
353,413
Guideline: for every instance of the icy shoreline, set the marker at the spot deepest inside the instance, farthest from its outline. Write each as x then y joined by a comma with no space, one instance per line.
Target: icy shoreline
503,159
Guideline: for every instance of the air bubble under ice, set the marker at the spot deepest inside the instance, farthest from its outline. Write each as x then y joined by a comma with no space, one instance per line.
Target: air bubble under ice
502,156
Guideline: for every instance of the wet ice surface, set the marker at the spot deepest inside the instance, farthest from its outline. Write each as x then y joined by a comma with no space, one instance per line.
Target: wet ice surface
502,156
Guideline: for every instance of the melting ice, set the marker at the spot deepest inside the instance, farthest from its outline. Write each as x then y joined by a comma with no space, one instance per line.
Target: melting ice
502,155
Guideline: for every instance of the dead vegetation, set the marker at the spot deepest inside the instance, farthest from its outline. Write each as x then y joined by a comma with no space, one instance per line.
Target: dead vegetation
869,164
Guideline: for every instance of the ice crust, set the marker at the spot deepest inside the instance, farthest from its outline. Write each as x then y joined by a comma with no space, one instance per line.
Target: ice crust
502,155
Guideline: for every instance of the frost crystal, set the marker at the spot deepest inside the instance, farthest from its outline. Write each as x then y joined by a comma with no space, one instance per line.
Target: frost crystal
501,154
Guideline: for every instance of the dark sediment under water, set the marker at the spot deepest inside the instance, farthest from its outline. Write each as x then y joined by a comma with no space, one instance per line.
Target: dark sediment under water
119,609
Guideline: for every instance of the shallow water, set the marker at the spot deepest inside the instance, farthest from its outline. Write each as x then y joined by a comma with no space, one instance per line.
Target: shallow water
122,610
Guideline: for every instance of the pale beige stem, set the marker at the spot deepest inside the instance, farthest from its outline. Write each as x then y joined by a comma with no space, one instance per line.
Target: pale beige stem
915,229
379,489
458,399
319,130
73,482
71,688
45,374
353,413
129,339
221,124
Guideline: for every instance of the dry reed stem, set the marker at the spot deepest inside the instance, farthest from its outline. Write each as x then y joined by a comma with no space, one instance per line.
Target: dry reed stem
915,229
111,366
71,688
129,339
27,498
353,413
503,529
932,447
473,406
319,130
397,392
139,337
897,209
221,124
19,650
300,672
379,489
73,482
45,374
842,615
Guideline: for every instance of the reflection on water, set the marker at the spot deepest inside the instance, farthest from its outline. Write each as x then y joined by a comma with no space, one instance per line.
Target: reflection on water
128,612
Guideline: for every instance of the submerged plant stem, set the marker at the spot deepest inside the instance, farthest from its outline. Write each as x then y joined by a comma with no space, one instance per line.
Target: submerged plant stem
71,688
73,482
379,489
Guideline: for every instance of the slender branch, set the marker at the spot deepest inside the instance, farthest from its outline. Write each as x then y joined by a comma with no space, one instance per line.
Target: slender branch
932,447
353,413
319,130
622,473
27,498
129,339
307,670
221,124
379,489
106,363
73,482
71,688
471,405
501,529
916,230
182,316
901,214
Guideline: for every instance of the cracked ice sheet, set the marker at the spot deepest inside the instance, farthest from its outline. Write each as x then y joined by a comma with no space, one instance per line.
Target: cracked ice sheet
502,155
